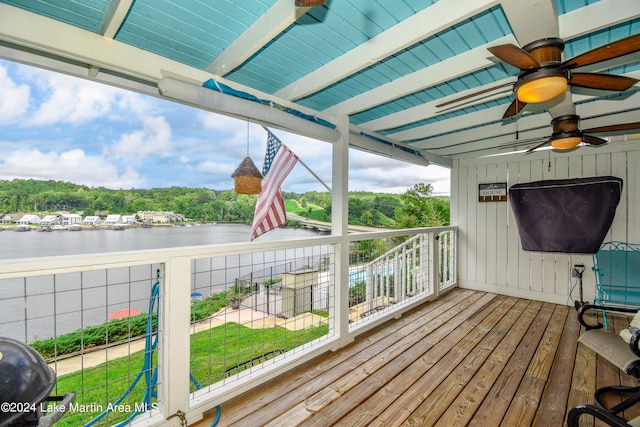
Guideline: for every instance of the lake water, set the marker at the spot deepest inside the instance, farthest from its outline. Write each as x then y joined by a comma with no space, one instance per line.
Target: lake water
33,244
37,309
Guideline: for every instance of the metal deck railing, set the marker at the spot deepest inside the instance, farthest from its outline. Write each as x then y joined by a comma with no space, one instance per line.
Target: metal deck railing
188,350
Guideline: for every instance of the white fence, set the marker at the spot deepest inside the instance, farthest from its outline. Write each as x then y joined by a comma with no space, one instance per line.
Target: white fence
406,272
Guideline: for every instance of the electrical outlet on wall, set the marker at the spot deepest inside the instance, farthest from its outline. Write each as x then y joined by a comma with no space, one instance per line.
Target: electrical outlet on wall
577,270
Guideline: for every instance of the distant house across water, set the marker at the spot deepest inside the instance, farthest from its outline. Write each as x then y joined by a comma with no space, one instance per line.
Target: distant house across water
71,219
113,219
92,220
128,219
29,219
67,219
160,217
10,218
51,220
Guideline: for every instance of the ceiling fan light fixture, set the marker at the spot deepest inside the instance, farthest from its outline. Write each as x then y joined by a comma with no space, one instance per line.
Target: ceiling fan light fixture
566,143
541,89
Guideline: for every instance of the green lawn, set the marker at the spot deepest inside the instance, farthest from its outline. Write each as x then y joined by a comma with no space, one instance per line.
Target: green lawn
295,207
212,353
312,211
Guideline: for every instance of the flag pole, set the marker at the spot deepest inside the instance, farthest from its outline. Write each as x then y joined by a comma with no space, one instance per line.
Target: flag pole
307,167
314,174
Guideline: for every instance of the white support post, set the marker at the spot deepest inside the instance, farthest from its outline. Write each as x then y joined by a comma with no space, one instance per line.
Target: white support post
175,352
370,288
402,292
405,270
397,288
424,263
414,262
339,227
435,262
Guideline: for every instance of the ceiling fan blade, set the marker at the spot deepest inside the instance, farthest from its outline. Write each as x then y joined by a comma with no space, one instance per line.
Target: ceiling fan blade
606,52
515,56
614,128
309,3
514,108
531,150
602,81
593,140
472,95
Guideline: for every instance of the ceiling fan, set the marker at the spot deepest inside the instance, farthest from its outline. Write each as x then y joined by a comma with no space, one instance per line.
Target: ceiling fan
567,134
543,75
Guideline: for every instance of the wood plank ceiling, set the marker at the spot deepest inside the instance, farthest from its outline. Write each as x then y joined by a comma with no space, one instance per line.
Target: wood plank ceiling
386,65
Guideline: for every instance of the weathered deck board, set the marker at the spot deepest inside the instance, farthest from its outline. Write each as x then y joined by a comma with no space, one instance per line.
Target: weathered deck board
553,405
432,407
469,358
513,360
399,352
525,402
463,408
444,356
349,359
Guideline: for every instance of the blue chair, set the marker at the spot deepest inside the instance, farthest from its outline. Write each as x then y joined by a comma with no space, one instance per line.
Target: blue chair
617,270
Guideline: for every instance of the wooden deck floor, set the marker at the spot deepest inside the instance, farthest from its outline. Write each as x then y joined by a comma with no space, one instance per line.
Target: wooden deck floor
469,358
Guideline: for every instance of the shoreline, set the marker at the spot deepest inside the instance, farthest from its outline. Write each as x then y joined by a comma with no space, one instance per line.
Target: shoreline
79,227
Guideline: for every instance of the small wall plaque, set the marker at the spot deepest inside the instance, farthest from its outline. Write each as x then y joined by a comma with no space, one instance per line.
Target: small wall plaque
496,192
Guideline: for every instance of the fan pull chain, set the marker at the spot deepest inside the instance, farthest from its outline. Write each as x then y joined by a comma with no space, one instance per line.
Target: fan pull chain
517,114
247,136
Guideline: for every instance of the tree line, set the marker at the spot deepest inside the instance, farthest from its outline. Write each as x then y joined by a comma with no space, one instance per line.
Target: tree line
414,208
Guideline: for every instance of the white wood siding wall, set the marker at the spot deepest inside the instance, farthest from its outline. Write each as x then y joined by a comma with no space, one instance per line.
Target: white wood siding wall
490,257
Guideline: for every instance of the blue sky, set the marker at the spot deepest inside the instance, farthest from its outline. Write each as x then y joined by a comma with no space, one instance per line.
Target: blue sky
54,126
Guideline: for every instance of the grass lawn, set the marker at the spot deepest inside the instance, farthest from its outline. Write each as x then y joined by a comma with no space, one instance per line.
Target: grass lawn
212,353
312,211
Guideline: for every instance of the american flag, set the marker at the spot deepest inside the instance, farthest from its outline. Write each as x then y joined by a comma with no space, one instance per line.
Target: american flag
273,145
270,212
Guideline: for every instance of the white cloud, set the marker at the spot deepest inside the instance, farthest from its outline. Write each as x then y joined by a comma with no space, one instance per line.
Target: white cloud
14,101
219,122
153,138
216,167
230,136
130,102
369,172
72,165
72,100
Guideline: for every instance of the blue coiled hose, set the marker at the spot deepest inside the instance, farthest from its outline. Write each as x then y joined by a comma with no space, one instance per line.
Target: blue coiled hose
148,370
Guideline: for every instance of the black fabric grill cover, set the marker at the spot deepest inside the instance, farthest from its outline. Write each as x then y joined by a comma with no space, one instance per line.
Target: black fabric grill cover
565,215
